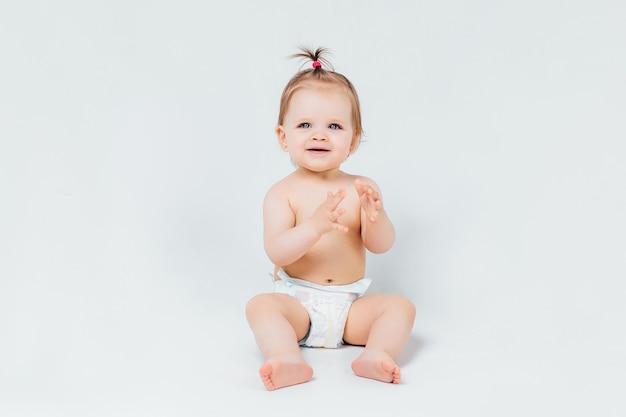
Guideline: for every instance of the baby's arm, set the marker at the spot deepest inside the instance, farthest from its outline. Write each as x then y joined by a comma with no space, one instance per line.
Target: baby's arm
285,242
377,231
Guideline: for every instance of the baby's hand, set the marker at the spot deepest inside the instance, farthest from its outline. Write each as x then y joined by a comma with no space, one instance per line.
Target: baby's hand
325,218
370,200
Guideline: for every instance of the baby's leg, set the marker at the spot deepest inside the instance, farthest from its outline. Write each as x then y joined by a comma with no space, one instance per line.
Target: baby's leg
383,324
278,321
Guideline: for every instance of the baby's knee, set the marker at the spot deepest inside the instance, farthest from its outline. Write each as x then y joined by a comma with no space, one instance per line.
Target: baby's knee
403,305
258,302
264,304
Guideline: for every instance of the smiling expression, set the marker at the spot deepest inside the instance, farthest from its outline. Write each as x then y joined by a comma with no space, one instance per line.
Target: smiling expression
317,129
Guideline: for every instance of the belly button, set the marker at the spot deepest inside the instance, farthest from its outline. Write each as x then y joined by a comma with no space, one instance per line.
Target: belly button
329,281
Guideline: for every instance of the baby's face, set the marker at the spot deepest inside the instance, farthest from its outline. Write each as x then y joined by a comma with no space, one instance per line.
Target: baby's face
317,129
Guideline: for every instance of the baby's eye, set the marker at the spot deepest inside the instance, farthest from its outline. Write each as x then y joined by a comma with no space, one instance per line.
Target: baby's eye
304,125
334,126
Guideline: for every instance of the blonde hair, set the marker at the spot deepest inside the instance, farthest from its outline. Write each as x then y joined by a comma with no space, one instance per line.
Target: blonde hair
320,75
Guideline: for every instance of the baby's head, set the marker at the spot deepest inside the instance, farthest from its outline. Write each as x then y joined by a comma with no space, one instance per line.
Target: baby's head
319,77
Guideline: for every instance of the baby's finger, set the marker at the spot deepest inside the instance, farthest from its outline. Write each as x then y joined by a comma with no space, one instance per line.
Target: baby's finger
360,187
373,194
335,199
340,227
339,212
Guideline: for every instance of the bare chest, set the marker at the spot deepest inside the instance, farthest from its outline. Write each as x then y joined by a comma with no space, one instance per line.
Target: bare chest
304,205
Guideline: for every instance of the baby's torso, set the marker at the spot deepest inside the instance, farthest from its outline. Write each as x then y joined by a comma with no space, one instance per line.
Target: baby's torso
338,258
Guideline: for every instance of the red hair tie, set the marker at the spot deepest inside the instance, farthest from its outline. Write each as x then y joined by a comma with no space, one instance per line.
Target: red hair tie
317,64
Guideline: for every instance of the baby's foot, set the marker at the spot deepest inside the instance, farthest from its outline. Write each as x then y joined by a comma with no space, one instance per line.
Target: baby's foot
376,365
277,372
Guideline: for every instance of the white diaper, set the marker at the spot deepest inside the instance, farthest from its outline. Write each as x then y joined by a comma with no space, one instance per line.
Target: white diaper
328,306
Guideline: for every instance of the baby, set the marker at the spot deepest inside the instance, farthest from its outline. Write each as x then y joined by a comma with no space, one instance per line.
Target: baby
318,223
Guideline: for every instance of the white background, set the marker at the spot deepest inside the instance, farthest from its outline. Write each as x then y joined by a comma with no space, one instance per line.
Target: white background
136,145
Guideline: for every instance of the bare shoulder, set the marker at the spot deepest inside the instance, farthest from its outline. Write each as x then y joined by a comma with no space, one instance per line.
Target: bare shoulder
363,178
366,181
280,188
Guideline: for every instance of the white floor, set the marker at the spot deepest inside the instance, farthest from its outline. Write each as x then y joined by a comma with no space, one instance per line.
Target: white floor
144,344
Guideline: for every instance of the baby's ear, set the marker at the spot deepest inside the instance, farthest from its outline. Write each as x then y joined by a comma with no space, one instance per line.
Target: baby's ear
356,140
280,135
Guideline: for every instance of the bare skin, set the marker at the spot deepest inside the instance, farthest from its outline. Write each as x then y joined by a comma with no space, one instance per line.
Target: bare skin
382,323
278,322
318,224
